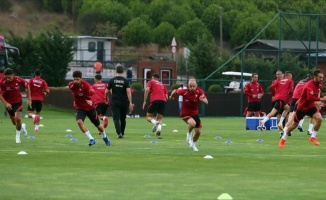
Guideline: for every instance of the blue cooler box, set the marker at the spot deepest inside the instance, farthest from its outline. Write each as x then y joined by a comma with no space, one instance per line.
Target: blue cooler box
253,123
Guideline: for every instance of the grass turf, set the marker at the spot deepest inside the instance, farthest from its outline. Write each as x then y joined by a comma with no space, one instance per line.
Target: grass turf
134,168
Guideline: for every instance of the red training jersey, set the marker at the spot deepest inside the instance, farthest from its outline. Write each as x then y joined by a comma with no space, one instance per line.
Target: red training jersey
310,94
283,89
37,87
10,90
157,91
82,95
98,95
253,88
191,101
298,90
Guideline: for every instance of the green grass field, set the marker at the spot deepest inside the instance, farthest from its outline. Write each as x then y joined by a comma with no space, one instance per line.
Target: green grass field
134,168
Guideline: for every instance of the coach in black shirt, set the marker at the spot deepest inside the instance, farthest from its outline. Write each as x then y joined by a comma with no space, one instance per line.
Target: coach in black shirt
120,99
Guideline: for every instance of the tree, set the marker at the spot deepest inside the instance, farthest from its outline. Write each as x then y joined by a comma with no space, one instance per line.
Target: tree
189,32
163,34
202,58
211,18
136,33
179,15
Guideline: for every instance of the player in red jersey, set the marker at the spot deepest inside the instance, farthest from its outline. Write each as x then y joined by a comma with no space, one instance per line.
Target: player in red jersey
158,98
38,88
99,99
283,88
82,91
11,96
189,110
254,92
308,104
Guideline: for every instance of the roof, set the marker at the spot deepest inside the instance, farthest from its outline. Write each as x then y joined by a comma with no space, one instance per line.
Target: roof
236,73
289,44
95,37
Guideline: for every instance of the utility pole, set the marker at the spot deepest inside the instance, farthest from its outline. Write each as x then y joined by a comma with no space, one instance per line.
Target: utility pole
221,27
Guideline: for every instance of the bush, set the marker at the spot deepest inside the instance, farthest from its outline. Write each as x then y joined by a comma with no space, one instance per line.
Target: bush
175,86
137,86
215,88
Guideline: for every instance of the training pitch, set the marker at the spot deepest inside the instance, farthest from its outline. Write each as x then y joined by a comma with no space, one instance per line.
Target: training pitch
244,164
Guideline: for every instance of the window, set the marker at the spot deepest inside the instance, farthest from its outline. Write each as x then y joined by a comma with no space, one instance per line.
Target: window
91,46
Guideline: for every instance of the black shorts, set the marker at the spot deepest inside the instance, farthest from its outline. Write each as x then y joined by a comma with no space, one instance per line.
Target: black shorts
102,108
292,104
185,118
300,115
254,106
279,105
91,114
157,107
15,107
36,105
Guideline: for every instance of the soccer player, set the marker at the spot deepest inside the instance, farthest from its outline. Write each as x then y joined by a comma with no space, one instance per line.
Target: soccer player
38,88
189,111
82,91
308,104
121,100
282,88
158,98
98,67
99,99
254,92
11,97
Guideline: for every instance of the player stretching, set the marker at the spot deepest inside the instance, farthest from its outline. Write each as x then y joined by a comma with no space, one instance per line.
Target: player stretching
189,110
38,88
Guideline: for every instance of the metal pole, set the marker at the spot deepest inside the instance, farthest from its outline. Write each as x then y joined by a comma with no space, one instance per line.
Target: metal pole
221,27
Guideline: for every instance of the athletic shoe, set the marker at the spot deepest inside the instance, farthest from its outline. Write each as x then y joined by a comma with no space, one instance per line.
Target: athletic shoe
281,143
107,141
300,128
246,128
105,122
18,139
314,140
120,136
308,133
35,130
24,129
154,127
36,119
261,125
193,147
280,126
158,134
92,142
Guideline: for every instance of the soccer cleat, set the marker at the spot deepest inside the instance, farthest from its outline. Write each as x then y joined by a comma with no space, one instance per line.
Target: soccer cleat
281,143
18,140
107,141
92,142
35,130
23,129
314,140
120,136
154,127
300,128
36,119
280,126
158,134
261,125
308,133
105,122
246,128
193,147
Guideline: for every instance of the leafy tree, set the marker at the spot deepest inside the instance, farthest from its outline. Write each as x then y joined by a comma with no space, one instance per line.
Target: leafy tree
202,57
189,32
158,8
179,15
55,6
105,30
163,34
211,18
136,33
56,53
